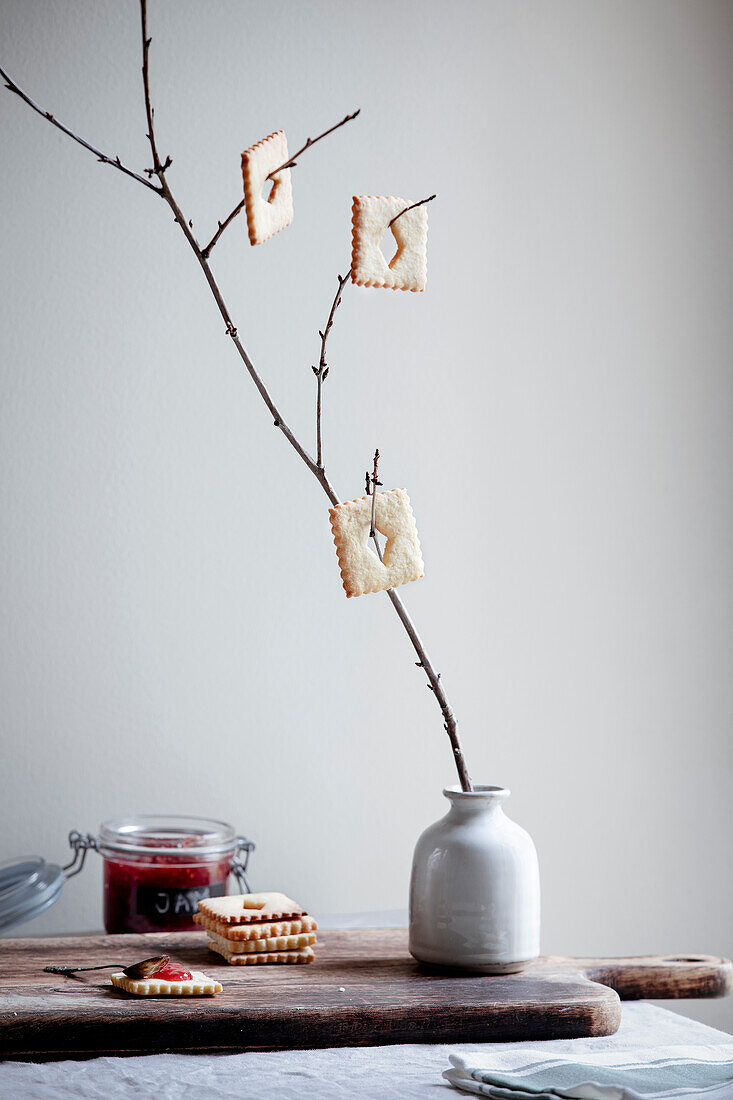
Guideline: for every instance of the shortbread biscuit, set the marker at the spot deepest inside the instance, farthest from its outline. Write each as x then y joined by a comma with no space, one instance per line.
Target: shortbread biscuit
273,943
267,216
197,986
243,908
262,958
257,930
361,569
370,218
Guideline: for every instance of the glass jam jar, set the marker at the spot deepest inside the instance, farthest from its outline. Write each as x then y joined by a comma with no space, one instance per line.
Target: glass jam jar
157,868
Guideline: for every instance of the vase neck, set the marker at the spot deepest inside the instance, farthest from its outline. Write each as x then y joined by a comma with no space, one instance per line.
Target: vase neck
481,801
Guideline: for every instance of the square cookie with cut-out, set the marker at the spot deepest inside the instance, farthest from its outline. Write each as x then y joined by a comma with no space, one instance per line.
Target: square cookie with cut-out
361,569
267,216
245,908
370,218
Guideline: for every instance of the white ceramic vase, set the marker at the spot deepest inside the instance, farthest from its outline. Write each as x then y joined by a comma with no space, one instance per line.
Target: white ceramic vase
475,888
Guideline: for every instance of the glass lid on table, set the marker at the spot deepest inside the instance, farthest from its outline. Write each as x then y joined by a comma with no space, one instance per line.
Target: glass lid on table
156,869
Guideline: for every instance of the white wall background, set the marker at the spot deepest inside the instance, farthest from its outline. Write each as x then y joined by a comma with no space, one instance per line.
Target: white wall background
174,636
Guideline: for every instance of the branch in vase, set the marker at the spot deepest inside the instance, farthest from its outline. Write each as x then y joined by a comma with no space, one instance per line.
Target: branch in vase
449,719
321,371
450,723
319,472
104,158
288,164
411,207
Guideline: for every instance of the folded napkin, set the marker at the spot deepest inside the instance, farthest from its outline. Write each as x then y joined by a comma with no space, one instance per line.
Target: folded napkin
526,1074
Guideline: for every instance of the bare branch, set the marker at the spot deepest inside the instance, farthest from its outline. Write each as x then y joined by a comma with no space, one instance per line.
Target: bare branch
374,482
104,158
229,325
449,719
288,164
319,408
206,250
158,168
321,371
312,141
412,207
342,281
315,467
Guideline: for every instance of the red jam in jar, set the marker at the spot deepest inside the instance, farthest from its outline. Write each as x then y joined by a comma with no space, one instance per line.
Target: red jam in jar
157,868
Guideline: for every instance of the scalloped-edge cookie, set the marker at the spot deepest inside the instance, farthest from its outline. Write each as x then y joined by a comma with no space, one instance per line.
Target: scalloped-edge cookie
272,943
264,958
257,930
370,218
199,985
361,569
244,908
265,217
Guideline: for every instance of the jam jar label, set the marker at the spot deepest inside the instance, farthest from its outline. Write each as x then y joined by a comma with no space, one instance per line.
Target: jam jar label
165,903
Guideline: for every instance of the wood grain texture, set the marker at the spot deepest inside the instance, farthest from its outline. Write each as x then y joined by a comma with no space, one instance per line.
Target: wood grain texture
363,989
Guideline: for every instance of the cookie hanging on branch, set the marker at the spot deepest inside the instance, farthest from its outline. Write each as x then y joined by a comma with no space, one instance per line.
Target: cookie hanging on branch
371,217
268,161
356,521
267,216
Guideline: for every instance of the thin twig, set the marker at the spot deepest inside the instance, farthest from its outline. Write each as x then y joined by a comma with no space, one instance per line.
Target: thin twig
319,472
104,158
421,203
321,371
206,250
319,407
342,281
450,723
312,141
374,482
158,169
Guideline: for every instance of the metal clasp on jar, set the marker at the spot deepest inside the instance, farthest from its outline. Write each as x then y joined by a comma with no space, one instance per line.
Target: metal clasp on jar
80,845
239,864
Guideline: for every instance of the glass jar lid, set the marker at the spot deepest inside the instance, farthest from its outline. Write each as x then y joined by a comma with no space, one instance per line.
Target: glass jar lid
27,886
166,835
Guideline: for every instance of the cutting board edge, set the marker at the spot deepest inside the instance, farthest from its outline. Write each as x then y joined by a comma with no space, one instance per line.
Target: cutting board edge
361,1027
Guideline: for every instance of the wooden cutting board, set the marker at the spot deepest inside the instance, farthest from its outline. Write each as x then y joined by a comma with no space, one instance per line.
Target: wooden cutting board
363,988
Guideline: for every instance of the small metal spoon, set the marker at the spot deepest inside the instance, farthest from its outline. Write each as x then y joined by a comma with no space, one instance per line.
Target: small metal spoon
144,969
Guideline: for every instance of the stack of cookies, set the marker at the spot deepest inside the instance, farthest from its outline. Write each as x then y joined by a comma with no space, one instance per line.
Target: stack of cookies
247,929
